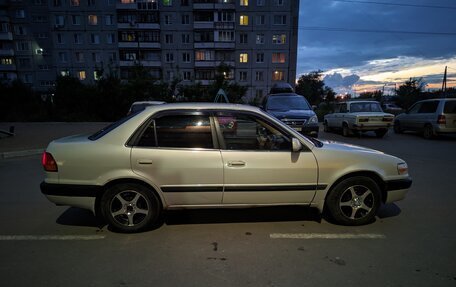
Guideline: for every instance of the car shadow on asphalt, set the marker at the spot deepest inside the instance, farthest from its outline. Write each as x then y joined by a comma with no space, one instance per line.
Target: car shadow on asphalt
79,217
237,215
388,210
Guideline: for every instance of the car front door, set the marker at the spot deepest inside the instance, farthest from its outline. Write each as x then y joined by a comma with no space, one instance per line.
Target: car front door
177,154
259,165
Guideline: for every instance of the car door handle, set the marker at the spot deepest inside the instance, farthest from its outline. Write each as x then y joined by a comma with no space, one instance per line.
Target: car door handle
145,161
236,163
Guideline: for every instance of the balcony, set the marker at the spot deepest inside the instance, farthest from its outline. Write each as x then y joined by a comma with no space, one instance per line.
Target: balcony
204,45
225,25
6,52
205,64
144,63
6,68
140,45
225,45
203,25
6,36
152,26
126,6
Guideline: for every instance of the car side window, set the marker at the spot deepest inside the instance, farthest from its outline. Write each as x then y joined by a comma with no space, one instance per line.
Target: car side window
178,131
428,107
245,132
343,108
414,109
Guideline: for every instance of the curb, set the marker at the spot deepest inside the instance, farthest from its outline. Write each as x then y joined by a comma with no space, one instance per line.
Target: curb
21,153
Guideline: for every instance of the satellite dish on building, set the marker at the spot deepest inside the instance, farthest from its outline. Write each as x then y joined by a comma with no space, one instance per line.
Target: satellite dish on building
221,96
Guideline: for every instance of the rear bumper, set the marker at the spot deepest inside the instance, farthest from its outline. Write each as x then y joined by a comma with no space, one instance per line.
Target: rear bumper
363,127
82,196
397,189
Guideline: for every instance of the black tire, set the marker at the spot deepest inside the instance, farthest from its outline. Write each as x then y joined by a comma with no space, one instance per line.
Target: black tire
354,201
397,128
130,207
428,132
326,128
346,132
381,133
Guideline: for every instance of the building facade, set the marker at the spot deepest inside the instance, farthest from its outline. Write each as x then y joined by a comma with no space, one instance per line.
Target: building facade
184,40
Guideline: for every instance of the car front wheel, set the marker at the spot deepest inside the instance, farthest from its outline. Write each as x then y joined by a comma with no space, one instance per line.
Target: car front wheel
130,207
354,201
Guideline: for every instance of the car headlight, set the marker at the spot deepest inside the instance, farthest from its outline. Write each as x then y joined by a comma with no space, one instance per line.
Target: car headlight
402,168
313,120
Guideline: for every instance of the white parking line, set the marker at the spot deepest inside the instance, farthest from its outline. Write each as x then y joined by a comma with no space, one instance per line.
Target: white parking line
49,237
326,236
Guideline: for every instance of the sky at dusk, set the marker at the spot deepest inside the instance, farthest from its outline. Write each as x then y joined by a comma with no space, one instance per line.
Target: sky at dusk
363,46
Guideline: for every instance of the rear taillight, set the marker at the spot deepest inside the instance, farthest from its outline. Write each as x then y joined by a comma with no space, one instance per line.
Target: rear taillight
441,120
48,162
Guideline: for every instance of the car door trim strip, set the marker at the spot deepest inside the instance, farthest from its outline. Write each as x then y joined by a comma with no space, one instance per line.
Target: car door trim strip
242,188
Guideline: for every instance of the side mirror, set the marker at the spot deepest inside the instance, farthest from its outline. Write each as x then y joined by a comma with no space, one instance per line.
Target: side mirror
296,145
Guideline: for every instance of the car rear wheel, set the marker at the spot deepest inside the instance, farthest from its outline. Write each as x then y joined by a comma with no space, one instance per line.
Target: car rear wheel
397,128
130,207
428,132
354,201
346,130
381,133
326,128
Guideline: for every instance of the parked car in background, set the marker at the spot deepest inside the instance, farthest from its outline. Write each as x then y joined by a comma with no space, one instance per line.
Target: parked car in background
139,106
392,109
429,117
215,155
281,87
358,116
293,110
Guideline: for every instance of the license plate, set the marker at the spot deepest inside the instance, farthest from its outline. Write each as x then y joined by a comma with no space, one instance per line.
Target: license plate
298,129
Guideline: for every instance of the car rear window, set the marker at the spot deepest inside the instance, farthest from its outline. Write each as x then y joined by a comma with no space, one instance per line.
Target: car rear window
365,107
110,127
450,107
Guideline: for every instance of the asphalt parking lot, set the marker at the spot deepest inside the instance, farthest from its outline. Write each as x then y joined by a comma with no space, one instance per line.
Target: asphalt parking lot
412,242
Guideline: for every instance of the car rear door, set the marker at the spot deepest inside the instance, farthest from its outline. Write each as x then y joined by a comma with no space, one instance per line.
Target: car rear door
259,166
177,154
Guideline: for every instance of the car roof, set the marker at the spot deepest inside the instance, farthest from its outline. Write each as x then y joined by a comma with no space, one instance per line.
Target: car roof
438,99
284,94
203,106
148,102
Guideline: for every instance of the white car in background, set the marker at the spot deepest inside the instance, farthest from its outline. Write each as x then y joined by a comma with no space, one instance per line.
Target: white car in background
359,116
200,155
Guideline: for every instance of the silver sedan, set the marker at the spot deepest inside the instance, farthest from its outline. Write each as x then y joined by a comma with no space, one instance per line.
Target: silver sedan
215,155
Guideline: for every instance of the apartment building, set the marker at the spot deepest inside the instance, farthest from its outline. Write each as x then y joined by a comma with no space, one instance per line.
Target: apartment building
175,39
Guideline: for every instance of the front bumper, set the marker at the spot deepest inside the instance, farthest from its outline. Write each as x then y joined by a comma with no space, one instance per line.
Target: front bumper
82,196
311,130
397,189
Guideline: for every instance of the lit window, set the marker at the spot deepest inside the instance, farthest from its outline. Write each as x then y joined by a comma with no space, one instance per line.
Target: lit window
278,75
244,20
279,39
278,57
167,2
243,57
244,2
75,2
82,75
97,75
65,73
93,19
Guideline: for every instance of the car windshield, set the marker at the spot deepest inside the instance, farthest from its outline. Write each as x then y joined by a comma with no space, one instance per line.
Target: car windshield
286,103
365,107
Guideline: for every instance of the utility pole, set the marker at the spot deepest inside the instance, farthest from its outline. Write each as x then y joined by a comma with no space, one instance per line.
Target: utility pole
444,83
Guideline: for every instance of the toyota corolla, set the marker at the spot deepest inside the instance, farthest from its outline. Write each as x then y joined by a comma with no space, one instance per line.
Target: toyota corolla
199,155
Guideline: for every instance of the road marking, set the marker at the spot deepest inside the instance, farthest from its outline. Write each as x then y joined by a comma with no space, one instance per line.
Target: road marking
326,236
49,237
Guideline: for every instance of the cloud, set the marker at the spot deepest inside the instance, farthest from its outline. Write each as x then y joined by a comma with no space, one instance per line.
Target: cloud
339,83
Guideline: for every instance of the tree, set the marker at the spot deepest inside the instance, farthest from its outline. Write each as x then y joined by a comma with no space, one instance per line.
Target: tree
313,88
376,95
410,92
